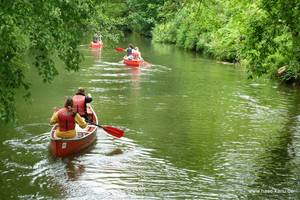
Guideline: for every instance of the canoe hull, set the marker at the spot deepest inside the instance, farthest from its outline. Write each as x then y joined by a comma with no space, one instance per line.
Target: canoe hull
62,148
133,63
85,137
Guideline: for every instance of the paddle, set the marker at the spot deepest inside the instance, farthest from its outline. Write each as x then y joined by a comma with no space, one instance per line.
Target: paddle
119,49
115,132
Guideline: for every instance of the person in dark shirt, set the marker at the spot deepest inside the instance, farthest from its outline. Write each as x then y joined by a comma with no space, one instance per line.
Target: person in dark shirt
96,38
129,50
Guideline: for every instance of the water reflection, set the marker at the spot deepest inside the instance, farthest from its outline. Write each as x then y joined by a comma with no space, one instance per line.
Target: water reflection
194,130
277,164
116,151
74,170
96,52
135,77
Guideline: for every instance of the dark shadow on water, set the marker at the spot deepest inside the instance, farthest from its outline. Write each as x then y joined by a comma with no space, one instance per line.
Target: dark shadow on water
74,169
277,169
114,152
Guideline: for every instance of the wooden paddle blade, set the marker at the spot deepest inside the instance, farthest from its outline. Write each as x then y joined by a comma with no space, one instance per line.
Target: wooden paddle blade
119,49
115,132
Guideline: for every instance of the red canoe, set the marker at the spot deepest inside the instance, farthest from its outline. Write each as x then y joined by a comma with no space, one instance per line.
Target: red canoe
85,137
96,44
133,62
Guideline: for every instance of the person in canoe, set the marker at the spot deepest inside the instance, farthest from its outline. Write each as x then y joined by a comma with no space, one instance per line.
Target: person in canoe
79,102
66,119
129,51
136,54
96,38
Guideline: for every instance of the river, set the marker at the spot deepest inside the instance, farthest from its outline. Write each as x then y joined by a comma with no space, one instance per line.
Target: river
194,129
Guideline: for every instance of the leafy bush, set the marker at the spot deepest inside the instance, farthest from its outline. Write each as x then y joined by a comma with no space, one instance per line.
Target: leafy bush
165,33
259,34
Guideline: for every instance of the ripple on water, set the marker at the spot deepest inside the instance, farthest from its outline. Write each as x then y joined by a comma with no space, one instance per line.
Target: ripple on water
30,144
111,169
110,81
131,173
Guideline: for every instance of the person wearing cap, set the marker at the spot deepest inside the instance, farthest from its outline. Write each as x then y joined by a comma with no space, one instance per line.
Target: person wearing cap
79,102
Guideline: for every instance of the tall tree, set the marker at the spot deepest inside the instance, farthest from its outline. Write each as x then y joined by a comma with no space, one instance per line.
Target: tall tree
287,13
141,16
43,27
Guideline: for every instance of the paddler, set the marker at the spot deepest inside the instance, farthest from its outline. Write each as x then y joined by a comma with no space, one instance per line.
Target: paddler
79,102
66,119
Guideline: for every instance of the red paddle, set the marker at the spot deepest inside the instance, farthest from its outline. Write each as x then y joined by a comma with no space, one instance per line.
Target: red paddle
113,131
119,49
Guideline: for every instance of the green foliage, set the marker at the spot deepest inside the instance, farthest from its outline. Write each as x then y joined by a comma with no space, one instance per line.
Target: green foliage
167,11
269,46
109,20
288,42
264,35
256,45
45,28
165,33
141,16
11,65
259,34
193,26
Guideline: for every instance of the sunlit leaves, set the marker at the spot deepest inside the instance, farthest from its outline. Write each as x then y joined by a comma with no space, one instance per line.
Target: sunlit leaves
285,15
264,35
141,16
46,29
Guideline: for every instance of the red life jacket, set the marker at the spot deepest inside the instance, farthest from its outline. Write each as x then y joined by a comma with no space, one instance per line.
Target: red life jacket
79,104
66,120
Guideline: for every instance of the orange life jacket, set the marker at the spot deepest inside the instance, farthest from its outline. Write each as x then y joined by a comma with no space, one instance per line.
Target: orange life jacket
66,120
79,104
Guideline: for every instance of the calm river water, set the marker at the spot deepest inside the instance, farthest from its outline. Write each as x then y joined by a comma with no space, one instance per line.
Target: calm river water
194,129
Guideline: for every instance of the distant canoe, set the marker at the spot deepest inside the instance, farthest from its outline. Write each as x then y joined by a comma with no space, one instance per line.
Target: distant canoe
133,62
85,137
96,44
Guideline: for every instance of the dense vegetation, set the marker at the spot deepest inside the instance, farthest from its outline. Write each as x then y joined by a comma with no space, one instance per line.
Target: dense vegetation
262,35
44,28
